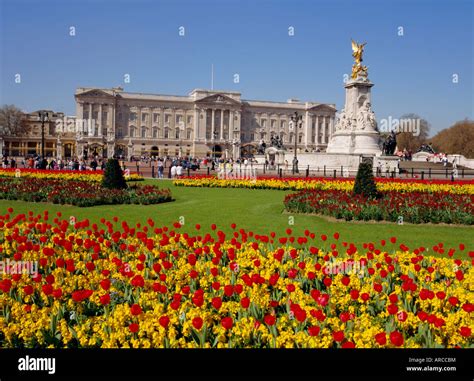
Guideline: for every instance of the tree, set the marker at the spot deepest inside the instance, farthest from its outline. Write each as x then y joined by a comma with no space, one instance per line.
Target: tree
365,183
414,132
457,139
12,121
113,175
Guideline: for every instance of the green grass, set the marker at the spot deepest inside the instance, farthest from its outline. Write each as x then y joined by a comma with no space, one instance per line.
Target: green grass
260,211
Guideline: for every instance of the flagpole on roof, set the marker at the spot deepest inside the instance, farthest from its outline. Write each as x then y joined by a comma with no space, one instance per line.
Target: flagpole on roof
212,76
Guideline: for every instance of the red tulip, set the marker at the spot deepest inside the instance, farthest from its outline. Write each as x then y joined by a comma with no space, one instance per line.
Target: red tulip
164,321
216,302
396,338
105,299
465,331
135,309
348,344
392,309
105,284
227,323
314,330
197,323
338,336
245,302
133,327
28,290
269,320
381,338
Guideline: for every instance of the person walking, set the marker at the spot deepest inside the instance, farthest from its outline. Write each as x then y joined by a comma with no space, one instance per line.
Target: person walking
179,170
160,168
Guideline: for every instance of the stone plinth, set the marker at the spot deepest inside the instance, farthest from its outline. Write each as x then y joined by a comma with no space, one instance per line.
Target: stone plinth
356,128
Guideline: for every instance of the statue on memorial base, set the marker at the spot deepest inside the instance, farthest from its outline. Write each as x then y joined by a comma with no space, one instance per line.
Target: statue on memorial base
343,122
366,117
390,144
358,70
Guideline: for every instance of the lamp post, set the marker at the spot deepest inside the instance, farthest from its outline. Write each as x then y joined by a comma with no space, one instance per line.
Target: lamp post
214,136
182,129
296,119
43,117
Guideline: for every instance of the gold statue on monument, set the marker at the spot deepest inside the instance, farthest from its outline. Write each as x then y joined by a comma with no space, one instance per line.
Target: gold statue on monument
358,68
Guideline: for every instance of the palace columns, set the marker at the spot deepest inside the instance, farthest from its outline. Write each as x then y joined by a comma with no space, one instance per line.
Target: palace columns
231,124
324,130
221,134
212,124
100,121
306,129
317,129
89,127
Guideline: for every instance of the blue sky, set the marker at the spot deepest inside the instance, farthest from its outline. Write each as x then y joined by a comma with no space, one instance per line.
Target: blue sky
412,73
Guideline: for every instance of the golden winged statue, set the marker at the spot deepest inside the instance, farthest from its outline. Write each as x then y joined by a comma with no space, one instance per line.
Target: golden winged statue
358,68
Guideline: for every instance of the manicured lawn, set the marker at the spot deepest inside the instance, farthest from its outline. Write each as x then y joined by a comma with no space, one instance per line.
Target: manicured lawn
260,211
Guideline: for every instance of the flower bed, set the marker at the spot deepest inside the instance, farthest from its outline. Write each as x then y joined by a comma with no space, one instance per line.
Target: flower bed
79,193
92,176
412,207
383,185
113,285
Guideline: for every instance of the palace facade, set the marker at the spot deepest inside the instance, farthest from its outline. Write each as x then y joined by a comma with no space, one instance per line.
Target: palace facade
204,123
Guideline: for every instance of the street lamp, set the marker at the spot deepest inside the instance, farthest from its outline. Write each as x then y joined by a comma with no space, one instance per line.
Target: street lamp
214,136
182,129
296,119
43,117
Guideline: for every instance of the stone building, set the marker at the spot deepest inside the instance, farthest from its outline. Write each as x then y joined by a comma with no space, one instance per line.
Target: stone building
58,143
203,123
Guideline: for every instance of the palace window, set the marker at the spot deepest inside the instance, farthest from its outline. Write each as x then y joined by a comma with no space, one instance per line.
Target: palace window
282,124
188,134
167,118
263,123
104,117
143,134
133,116
167,133
273,123
95,115
155,132
156,117
144,117
190,119
300,138
119,132
252,137
177,133
179,119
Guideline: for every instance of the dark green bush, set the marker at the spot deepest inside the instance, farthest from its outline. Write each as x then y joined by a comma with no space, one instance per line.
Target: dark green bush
113,176
365,183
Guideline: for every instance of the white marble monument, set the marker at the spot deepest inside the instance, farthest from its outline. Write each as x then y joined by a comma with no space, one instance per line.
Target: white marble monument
356,128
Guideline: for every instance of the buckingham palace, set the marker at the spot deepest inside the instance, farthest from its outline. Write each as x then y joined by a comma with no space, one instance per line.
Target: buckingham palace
203,123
